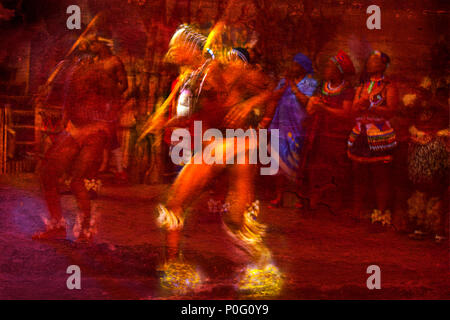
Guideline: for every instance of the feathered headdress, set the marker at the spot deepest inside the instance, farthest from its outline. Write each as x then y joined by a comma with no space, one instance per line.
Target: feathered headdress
185,35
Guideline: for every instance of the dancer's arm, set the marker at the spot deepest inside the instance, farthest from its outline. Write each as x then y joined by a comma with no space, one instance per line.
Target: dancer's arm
301,97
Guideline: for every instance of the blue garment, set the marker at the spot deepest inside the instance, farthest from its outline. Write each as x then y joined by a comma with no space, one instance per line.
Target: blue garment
304,61
288,119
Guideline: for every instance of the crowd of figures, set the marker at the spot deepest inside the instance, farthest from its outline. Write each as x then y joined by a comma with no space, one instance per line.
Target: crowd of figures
361,150
364,150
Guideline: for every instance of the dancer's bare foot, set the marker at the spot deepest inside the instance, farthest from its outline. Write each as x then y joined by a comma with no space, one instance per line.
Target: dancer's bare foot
53,233
84,237
418,235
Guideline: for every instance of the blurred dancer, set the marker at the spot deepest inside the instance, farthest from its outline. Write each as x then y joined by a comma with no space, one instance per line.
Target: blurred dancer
90,110
226,96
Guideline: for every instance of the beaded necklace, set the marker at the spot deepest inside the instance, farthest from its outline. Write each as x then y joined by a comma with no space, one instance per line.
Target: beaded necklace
327,90
377,99
372,83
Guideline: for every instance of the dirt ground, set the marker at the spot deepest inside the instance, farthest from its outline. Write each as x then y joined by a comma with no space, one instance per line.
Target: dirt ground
322,256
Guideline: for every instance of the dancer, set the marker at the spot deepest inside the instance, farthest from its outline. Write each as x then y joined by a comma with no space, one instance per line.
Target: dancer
226,98
90,110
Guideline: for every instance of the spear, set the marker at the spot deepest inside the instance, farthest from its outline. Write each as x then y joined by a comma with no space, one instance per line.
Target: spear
74,46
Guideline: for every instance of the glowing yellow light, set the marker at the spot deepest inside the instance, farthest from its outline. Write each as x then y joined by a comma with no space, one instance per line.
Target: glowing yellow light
180,277
266,281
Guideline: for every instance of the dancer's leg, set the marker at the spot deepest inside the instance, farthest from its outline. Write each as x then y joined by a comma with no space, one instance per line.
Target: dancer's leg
187,187
190,183
87,164
360,181
382,185
241,192
241,219
57,160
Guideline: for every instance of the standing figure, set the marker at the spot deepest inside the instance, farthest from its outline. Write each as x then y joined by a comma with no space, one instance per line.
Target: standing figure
328,163
428,162
289,118
372,140
90,112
